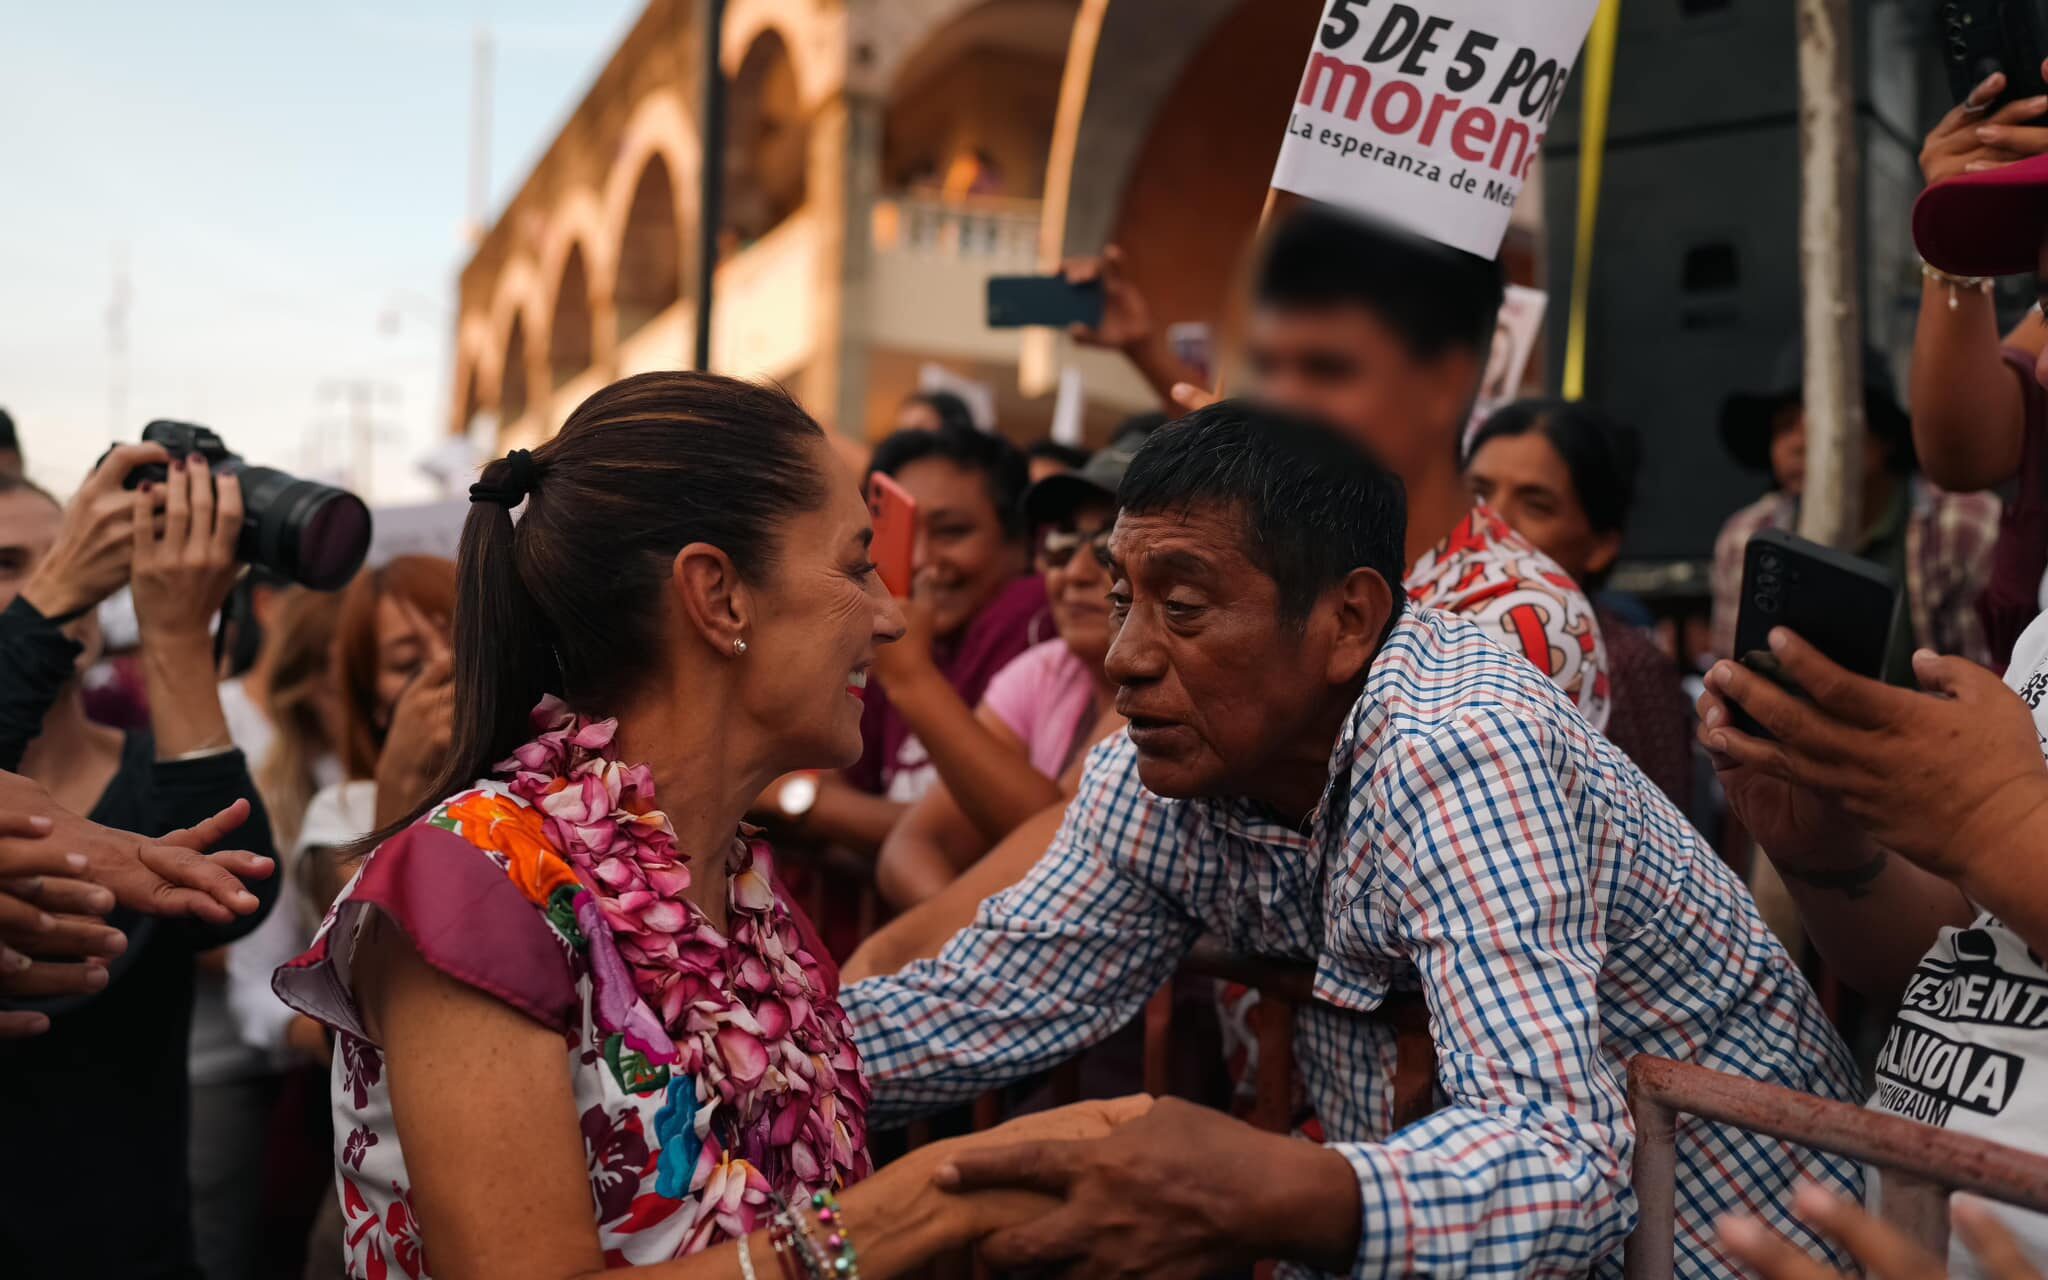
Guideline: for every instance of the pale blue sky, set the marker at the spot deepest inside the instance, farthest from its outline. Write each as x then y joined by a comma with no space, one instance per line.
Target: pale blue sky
279,176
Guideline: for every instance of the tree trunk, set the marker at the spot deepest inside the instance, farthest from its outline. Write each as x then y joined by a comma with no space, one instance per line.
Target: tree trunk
1828,186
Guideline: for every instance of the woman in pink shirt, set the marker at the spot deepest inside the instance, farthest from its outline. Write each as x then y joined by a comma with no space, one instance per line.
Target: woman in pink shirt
1048,706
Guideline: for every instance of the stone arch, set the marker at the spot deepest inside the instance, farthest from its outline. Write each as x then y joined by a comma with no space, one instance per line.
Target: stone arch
468,397
767,143
651,249
648,213
514,389
971,104
1141,124
570,323
812,32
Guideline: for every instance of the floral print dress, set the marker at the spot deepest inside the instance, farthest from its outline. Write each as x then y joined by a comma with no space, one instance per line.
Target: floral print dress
707,1068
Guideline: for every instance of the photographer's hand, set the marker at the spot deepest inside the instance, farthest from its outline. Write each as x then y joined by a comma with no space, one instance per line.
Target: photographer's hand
181,576
90,559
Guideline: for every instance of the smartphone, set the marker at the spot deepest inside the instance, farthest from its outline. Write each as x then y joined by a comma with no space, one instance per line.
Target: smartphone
1842,606
1978,37
1052,301
894,512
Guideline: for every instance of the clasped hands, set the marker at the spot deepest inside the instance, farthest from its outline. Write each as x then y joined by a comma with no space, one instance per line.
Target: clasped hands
1154,1187
61,874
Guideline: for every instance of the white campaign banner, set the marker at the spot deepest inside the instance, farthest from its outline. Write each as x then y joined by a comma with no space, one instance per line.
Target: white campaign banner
1431,114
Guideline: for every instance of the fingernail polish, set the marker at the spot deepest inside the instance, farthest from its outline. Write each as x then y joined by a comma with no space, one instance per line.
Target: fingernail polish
76,861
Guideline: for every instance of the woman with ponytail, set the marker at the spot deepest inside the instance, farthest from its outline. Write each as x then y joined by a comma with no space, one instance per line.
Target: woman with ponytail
578,1026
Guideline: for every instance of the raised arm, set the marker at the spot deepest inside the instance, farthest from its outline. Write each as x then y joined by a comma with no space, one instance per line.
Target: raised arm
1969,404
1046,969
1127,325
181,574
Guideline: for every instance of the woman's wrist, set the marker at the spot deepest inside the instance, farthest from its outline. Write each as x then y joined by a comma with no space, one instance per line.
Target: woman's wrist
55,596
915,688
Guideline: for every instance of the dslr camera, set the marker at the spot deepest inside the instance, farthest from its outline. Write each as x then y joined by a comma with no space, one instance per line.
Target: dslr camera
312,533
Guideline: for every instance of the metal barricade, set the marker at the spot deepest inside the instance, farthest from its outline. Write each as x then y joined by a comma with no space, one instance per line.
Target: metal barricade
1919,1166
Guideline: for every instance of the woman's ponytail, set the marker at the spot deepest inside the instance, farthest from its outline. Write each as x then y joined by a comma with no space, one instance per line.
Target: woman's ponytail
503,659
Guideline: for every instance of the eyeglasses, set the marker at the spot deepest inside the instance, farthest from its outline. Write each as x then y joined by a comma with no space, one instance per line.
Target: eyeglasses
1057,547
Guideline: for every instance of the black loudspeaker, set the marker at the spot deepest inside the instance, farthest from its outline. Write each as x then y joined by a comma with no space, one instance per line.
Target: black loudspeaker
1695,285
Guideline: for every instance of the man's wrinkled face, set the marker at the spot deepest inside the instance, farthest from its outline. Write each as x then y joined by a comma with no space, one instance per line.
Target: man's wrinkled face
1215,682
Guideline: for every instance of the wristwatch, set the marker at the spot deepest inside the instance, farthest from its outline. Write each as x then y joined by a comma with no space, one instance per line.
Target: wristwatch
796,796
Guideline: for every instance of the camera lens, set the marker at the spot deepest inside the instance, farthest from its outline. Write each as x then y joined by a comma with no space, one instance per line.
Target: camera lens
314,534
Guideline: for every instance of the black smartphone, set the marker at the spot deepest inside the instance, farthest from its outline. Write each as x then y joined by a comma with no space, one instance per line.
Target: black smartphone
1978,37
1844,607
1052,301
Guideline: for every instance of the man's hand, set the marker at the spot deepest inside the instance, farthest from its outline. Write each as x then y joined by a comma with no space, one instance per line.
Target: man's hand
89,560
1970,139
1884,1252
43,953
1179,1191
1936,776
1126,316
170,876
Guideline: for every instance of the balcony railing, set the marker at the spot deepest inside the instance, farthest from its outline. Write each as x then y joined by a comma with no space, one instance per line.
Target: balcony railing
999,232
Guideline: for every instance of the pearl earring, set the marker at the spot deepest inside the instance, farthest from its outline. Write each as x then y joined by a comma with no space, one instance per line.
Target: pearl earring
739,648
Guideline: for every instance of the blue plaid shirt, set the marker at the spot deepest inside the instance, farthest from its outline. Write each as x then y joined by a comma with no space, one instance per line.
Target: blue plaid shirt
1479,841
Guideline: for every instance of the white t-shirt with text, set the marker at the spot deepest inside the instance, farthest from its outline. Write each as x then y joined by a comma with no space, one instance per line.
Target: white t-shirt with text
1968,1051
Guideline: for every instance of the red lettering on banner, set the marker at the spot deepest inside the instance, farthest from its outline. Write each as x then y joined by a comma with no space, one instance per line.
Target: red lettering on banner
1438,109
1478,134
1518,133
1340,73
1471,134
1382,117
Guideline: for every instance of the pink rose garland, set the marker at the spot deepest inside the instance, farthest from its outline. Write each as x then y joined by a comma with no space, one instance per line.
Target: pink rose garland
747,1016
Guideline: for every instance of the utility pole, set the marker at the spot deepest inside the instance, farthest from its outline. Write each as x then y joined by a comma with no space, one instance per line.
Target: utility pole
711,178
1829,183
479,137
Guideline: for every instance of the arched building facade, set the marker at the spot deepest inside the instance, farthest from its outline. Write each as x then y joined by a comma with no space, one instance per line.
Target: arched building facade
882,159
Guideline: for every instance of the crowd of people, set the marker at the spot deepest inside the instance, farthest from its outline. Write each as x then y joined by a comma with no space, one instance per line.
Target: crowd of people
453,924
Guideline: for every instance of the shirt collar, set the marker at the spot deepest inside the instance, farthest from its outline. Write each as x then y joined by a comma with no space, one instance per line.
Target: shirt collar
1241,817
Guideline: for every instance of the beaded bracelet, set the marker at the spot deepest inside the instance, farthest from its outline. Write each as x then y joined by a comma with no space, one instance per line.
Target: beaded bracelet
846,1265
802,1242
1981,284
782,1236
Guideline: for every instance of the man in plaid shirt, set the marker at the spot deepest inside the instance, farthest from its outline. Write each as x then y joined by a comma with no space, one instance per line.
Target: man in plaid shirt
1314,773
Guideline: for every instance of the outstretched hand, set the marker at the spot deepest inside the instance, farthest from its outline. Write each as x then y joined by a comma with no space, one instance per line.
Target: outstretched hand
51,940
173,875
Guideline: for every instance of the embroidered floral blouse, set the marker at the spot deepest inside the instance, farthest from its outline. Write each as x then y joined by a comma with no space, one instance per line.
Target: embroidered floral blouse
707,1068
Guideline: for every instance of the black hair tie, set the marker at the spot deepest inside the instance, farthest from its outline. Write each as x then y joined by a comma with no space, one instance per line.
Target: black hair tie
522,474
